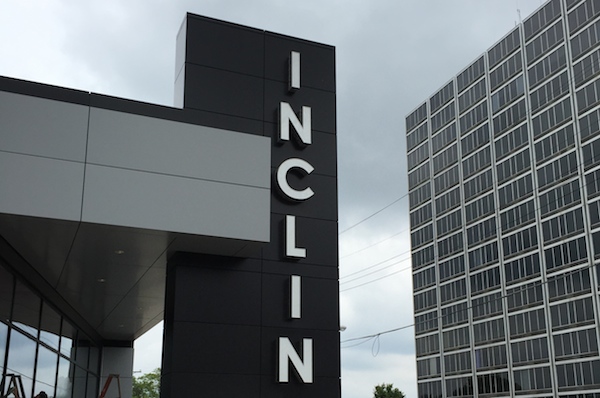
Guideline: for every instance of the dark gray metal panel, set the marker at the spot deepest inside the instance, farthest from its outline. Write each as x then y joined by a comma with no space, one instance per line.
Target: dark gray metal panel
317,61
231,93
318,237
226,46
209,385
220,295
326,351
225,349
319,310
319,154
322,205
322,104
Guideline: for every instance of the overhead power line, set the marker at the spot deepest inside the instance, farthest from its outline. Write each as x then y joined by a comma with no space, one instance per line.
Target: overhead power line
374,214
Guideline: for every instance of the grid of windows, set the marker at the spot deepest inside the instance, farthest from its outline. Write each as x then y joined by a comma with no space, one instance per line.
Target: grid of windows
42,346
478,138
512,141
589,125
544,69
567,314
513,151
585,40
491,357
483,256
443,138
540,19
587,68
566,254
517,216
544,42
576,344
582,15
550,91
441,97
511,42
554,144
524,296
522,268
507,94
472,96
452,267
530,351
426,322
487,306
472,73
488,331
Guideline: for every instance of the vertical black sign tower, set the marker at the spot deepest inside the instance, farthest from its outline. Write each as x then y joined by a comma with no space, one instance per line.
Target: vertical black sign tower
265,324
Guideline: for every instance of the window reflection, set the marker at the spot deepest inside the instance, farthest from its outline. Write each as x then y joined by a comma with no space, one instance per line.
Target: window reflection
92,385
35,339
63,381
80,381
50,328
6,292
26,313
66,342
3,337
21,359
46,371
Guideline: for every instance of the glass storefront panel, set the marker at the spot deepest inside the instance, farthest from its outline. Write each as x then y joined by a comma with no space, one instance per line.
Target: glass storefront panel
26,313
21,358
92,386
6,293
69,334
50,328
33,335
45,377
3,340
63,381
79,382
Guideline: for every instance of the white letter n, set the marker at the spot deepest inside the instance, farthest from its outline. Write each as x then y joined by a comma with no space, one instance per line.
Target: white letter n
288,354
287,117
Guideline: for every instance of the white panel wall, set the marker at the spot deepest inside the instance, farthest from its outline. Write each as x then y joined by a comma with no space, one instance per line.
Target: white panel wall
72,162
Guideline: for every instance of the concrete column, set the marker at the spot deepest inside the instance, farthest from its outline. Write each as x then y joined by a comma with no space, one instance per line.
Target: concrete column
119,361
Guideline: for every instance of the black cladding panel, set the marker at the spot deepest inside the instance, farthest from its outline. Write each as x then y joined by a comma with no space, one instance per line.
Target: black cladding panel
224,46
223,92
224,316
318,61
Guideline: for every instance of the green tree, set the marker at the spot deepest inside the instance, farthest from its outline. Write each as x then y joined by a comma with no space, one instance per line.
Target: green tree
387,391
147,385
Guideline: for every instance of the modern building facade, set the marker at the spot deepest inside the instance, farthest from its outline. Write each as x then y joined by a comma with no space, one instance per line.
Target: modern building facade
218,216
504,182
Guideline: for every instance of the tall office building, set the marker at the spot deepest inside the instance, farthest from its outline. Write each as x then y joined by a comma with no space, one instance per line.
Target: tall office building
504,181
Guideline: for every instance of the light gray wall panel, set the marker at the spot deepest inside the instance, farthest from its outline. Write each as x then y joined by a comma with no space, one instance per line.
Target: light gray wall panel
149,144
169,203
42,127
40,187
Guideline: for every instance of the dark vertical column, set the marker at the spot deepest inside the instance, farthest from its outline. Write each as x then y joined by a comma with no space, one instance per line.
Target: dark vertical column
315,220
224,316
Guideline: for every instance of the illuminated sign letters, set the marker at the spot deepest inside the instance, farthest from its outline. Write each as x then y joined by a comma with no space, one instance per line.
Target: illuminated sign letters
287,117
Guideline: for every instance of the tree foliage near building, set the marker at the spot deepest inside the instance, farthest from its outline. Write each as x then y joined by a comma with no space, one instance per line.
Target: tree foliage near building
147,385
387,391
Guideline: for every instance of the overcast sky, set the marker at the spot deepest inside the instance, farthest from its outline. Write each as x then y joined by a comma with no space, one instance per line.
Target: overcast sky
391,56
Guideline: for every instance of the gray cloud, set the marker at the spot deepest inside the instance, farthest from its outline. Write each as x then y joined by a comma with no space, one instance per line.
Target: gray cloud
391,56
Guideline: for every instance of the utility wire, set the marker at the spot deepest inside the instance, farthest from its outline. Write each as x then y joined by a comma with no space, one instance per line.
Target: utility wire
374,214
502,297
577,167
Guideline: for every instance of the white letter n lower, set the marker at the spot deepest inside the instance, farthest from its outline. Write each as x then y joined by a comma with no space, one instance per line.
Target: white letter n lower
288,354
